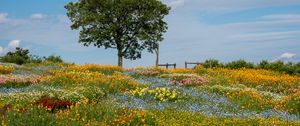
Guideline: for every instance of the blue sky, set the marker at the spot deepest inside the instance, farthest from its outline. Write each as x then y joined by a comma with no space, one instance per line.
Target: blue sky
198,29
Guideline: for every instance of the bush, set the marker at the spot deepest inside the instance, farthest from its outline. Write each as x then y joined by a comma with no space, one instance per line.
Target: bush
297,68
212,63
35,59
277,66
239,64
280,66
288,68
20,56
264,64
52,104
54,59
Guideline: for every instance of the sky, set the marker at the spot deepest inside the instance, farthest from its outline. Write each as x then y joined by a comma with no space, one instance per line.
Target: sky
227,30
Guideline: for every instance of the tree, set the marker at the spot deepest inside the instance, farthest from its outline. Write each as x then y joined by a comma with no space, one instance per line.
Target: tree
157,56
54,59
211,63
130,26
239,64
264,64
20,56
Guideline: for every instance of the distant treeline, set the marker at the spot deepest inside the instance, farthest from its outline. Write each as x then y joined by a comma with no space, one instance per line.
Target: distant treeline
22,56
280,66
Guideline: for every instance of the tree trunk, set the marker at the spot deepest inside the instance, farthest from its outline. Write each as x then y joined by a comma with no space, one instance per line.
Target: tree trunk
157,54
120,58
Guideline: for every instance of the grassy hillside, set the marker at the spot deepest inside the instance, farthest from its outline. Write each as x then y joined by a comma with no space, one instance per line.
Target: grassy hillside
64,94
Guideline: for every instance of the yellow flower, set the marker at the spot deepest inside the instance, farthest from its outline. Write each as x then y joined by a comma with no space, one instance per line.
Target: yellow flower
6,69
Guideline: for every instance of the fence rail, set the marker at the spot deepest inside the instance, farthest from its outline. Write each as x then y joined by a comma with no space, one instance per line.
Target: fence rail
195,63
167,65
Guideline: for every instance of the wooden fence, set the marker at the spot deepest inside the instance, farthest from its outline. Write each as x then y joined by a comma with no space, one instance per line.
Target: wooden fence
167,65
195,63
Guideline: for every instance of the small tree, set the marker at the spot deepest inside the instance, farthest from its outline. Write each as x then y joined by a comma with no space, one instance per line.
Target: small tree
20,56
239,64
264,64
54,59
211,63
130,26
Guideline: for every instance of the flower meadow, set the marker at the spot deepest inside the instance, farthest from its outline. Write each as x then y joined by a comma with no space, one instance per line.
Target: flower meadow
6,69
96,95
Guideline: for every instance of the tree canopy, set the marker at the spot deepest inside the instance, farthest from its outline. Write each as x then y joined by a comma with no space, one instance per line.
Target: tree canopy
130,26
20,56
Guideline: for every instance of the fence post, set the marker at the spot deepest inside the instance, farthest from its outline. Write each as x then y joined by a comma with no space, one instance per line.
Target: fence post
174,65
195,63
185,64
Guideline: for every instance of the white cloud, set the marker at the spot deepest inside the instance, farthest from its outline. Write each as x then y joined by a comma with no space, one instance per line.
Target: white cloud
38,16
12,45
287,55
284,57
3,17
1,50
54,32
251,39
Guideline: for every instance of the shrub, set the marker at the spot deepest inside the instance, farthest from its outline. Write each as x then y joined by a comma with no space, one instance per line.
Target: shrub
264,64
200,69
280,66
35,59
54,59
297,68
277,66
212,63
20,56
239,64
52,104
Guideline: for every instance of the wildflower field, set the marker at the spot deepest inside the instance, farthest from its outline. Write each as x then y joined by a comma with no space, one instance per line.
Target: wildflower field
92,95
